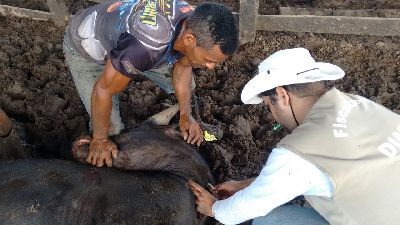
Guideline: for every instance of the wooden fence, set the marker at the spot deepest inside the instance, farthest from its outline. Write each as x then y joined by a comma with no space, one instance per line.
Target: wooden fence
358,22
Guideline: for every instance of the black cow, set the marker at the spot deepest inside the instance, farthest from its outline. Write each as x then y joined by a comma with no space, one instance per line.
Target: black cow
57,192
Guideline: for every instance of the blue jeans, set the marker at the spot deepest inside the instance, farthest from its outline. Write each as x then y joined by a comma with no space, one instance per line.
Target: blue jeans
85,74
291,215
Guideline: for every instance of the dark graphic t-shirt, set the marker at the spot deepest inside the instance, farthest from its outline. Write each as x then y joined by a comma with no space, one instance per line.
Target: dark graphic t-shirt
137,35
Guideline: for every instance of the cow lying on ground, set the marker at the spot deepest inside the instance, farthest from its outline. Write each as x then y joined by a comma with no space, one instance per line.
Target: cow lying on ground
44,191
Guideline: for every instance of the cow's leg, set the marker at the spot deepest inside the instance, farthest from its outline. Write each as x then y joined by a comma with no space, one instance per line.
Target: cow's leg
5,124
13,141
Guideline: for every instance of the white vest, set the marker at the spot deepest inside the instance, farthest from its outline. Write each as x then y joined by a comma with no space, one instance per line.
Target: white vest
356,142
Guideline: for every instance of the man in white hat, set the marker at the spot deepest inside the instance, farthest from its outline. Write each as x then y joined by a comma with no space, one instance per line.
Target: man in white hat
342,153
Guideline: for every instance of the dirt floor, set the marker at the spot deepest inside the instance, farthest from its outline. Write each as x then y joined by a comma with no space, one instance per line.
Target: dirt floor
37,89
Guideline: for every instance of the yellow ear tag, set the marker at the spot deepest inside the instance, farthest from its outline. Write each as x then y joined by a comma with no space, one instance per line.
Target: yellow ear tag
209,137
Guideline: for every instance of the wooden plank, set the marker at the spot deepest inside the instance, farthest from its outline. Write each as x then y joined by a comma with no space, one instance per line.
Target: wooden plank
6,10
59,11
98,1
248,20
330,24
387,13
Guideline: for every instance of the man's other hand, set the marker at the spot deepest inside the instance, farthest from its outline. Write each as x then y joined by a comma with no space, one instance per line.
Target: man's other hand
204,201
101,151
190,130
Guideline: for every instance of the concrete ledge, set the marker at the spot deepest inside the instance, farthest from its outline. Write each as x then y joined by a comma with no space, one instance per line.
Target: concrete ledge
385,13
330,24
98,1
6,10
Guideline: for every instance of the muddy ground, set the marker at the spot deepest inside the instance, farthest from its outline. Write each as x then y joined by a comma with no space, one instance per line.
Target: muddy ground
37,89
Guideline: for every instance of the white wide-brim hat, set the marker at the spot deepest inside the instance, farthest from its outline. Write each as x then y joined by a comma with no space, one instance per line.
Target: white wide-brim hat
284,67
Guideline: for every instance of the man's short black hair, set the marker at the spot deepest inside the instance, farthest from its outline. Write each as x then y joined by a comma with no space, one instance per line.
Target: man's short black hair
301,90
212,24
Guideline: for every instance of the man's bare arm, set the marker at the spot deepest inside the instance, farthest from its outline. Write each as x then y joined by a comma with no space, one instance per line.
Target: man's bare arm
109,83
182,82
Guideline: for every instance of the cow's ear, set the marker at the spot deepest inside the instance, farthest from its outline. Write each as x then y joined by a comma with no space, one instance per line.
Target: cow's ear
80,148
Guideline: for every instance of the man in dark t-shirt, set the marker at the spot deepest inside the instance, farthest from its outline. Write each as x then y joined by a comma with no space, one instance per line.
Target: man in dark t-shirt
108,44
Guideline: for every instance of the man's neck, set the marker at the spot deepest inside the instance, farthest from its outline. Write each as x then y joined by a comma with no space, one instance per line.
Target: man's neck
179,45
303,106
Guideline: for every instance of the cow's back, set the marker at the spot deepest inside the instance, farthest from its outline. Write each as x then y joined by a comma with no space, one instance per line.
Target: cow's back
61,192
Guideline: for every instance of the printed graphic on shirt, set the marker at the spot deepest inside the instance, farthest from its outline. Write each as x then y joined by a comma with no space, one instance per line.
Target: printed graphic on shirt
131,57
112,7
186,9
166,8
150,26
129,67
154,37
154,21
391,146
152,7
340,125
149,14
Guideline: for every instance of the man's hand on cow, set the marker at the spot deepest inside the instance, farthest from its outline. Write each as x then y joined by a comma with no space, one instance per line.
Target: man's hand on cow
101,151
190,130
204,201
